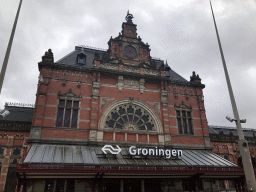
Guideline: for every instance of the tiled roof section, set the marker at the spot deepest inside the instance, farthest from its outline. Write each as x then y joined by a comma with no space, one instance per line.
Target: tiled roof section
70,60
92,155
21,114
214,129
175,76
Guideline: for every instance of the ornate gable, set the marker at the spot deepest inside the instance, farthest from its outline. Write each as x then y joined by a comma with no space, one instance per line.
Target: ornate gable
128,53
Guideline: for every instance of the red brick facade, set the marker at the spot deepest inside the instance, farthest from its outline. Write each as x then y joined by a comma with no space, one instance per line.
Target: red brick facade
98,89
13,147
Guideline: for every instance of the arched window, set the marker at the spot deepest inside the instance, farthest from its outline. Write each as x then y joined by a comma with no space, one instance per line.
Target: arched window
130,117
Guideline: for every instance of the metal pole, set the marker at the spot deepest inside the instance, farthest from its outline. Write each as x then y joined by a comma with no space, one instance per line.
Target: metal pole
243,144
7,54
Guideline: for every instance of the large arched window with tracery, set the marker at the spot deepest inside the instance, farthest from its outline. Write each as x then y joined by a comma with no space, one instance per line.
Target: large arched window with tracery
130,117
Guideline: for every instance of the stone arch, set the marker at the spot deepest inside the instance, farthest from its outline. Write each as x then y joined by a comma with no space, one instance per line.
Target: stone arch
135,102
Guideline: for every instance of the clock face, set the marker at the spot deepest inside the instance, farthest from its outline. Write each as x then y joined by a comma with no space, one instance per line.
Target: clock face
130,51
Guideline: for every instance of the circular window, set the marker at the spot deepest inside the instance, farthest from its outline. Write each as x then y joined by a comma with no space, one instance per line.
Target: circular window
130,117
130,51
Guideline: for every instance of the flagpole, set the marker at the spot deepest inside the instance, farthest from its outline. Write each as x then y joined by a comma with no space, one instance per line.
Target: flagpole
7,54
243,144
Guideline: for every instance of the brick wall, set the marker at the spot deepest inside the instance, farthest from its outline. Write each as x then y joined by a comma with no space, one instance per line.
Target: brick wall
55,82
13,147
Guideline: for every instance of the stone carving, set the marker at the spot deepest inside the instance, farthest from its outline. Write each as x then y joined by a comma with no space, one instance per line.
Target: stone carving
182,106
93,135
104,101
156,106
35,133
95,89
167,138
109,66
131,83
69,94
142,88
130,126
164,94
151,72
131,69
120,82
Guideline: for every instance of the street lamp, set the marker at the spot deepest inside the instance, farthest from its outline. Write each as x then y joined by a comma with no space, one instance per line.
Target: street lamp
231,120
243,144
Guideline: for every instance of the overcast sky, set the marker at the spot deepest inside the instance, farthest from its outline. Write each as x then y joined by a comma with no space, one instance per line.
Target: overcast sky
179,31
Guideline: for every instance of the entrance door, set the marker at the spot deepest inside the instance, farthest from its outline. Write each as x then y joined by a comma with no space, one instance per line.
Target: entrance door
132,185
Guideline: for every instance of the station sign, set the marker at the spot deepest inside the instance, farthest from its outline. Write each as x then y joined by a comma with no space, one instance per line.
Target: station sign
133,150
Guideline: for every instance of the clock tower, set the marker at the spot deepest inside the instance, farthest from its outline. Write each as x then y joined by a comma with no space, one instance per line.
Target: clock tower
128,47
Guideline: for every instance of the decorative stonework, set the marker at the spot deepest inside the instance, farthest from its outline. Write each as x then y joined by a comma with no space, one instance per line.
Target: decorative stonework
142,87
130,110
182,106
131,83
109,66
93,135
120,83
95,89
104,101
156,106
129,117
35,133
151,72
167,138
130,126
131,69
164,94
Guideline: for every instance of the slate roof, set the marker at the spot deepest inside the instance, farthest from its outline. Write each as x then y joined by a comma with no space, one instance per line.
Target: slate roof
92,155
214,129
70,61
21,114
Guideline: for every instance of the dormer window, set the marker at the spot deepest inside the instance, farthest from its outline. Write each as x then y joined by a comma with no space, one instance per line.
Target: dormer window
81,59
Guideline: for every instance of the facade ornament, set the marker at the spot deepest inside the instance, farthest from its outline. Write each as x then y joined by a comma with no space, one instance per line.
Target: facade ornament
120,83
195,78
131,99
96,85
129,17
95,89
164,93
156,106
35,133
48,57
104,101
142,87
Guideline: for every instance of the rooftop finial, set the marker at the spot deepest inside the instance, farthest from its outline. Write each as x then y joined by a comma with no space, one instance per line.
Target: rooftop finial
129,17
